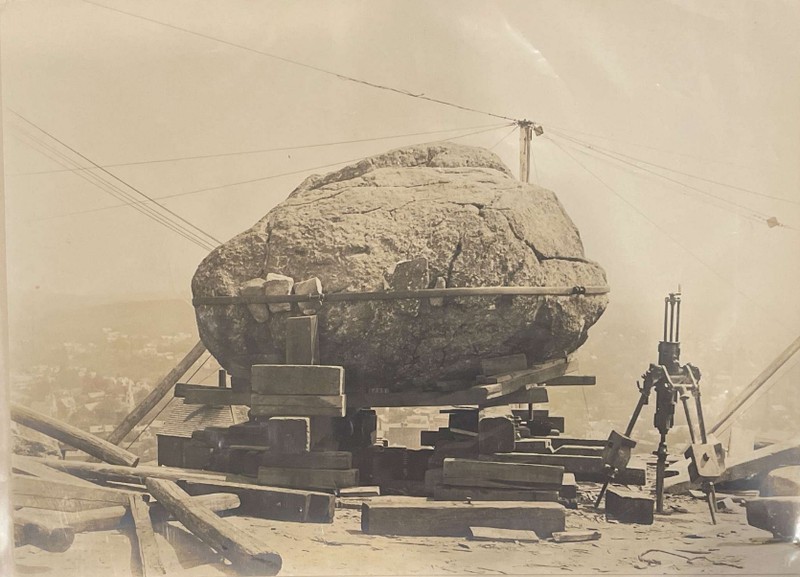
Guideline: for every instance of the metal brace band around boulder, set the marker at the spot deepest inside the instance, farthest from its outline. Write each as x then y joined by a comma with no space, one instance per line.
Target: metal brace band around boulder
405,295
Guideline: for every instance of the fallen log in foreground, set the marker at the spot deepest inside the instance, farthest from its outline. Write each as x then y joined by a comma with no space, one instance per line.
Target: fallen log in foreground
73,436
242,549
44,532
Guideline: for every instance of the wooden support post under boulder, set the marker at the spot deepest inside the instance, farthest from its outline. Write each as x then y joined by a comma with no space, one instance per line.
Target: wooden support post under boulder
240,547
319,380
496,435
48,533
452,519
302,344
778,515
629,506
276,503
73,436
147,547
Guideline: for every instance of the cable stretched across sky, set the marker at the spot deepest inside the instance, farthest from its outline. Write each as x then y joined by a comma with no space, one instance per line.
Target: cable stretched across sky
338,75
170,217
257,179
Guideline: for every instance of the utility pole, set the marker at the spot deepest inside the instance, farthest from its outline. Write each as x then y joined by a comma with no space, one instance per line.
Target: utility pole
526,131
525,134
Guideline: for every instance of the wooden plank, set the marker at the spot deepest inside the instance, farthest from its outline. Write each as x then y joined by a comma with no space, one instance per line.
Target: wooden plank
298,379
452,493
309,460
471,473
73,436
328,479
501,535
302,344
575,536
367,491
541,446
481,395
47,533
507,364
271,502
291,411
22,464
159,392
536,374
239,546
133,475
453,519
579,450
581,466
215,396
147,547
46,494
560,441
526,394
572,381
299,401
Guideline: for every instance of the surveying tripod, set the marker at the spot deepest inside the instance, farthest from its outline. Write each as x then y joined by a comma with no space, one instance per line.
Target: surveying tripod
671,381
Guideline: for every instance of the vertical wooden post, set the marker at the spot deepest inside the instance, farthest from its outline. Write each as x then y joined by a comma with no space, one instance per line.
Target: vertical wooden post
525,134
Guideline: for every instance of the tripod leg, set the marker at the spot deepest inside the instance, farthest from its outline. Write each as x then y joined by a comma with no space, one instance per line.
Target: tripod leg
602,494
661,467
711,497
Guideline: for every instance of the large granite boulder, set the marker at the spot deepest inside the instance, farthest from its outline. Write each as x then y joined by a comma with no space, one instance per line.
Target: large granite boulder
459,217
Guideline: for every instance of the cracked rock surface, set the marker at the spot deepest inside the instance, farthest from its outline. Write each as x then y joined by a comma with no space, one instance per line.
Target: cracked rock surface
456,206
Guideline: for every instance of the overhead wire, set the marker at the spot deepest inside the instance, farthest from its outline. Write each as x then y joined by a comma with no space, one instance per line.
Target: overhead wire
319,69
496,144
173,214
752,214
265,150
257,179
668,235
674,170
115,191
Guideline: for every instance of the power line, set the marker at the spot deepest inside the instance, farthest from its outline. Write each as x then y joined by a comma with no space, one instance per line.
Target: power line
263,150
252,180
401,91
115,177
709,180
666,233
117,192
753,214
496,144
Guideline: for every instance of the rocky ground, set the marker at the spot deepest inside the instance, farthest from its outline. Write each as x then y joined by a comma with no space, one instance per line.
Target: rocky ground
683,541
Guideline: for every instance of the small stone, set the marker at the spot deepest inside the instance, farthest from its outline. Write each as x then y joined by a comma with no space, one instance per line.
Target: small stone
312,286
778,515
629,507
278,284
255,288
439,284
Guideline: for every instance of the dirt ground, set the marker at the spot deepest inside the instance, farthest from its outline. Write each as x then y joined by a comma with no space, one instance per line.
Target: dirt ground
683,541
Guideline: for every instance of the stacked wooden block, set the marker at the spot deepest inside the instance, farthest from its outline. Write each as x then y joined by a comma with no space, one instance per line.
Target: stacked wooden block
297,391
473,480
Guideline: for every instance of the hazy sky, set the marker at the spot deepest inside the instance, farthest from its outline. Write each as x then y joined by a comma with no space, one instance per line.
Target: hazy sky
706,88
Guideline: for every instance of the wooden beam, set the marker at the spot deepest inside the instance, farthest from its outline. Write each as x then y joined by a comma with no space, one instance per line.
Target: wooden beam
572,381
302,344
135,475
271,502
453,519
73,436
159,392
585,468
328,479
46,533
23,464
502,535
301,402
237,545
481,395
47,494
451,493
215,396
298,379
309,460
147,547
471,473
264,410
